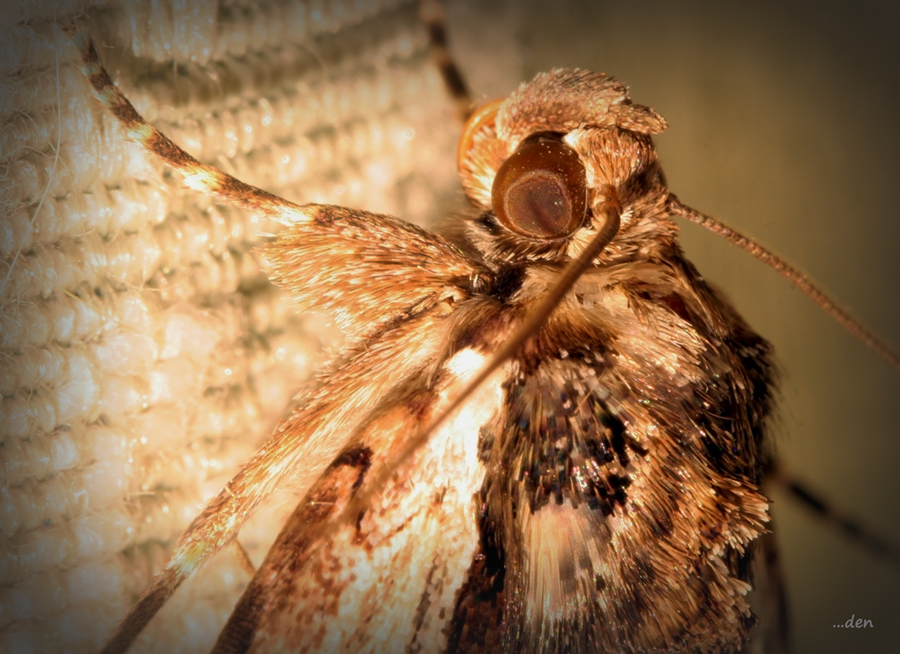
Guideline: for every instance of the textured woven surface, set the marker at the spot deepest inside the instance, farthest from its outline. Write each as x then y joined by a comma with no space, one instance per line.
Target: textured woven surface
145,353
783,122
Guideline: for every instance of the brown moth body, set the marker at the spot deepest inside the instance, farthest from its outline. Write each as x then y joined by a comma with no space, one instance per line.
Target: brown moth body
620,506
598,492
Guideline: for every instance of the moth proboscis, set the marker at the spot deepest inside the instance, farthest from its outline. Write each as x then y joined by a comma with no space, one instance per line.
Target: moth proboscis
600,488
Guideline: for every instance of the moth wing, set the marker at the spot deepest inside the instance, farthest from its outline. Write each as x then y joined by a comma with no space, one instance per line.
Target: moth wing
366,269
608,536
389,580
369,376
382,278
363,267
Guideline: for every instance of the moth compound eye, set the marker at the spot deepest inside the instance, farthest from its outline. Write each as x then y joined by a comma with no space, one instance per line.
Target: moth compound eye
540,191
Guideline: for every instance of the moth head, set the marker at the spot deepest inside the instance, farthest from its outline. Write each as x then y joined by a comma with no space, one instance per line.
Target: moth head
544,165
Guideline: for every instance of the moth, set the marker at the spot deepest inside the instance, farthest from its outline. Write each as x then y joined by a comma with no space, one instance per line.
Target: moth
604,473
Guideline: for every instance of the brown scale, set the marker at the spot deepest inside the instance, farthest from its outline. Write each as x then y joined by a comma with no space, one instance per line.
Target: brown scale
670,410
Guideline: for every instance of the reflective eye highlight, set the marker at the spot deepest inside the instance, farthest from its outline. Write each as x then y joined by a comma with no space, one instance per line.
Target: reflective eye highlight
540,191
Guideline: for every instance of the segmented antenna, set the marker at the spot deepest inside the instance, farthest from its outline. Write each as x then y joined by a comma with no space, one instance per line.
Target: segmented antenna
431,13
794,276
197,175
192,550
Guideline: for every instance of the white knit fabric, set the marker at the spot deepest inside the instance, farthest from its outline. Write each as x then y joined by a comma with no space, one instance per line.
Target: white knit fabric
144,353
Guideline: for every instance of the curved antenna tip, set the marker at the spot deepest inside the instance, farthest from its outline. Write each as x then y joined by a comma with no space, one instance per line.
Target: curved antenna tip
801,281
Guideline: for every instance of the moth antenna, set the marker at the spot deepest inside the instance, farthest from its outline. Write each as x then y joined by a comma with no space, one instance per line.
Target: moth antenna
532,322
770,587
849,525
202,539
797,278
197,175
431,13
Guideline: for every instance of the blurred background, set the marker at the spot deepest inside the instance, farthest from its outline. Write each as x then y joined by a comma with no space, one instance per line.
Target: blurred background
145,355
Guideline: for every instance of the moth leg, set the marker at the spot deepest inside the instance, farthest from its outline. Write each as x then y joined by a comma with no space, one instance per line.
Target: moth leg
302,447
197,175
769,597
402,295
846,523
404,266
244,558
432,14
772,635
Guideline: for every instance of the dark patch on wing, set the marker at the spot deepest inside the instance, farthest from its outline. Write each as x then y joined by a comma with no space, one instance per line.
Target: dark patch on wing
358,457
477,622
729,446
564,452
563,442
557,442
771,634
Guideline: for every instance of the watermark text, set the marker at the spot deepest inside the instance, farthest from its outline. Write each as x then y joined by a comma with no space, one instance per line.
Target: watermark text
855,623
